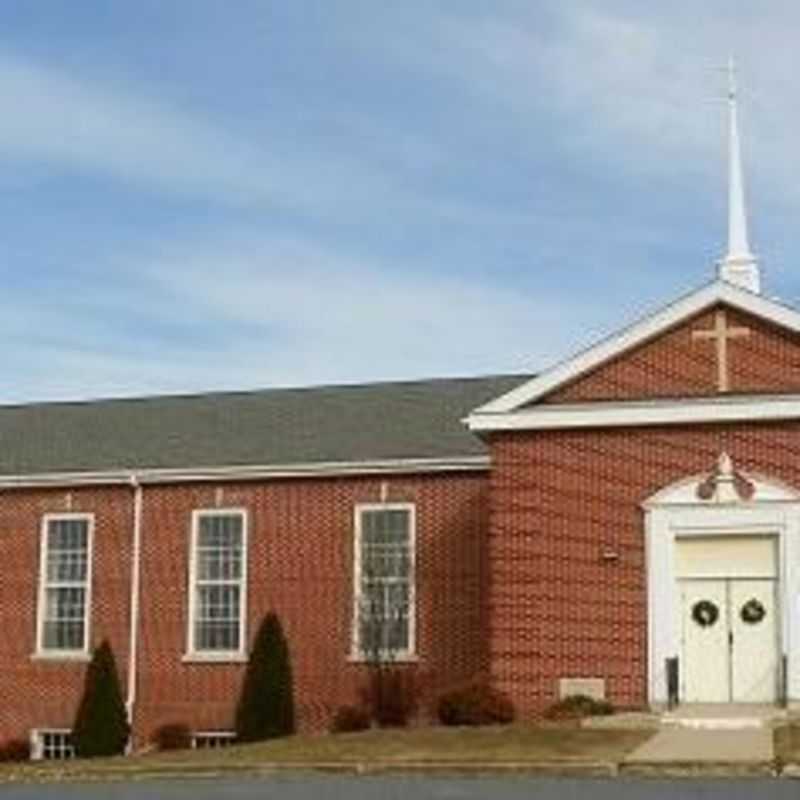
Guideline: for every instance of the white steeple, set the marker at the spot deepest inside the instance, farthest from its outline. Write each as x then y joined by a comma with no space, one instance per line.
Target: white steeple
739,266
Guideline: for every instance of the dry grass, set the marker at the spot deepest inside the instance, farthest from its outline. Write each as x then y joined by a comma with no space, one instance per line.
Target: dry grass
517,744
514,743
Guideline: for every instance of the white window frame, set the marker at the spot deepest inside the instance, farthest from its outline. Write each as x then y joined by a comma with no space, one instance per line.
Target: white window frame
192,653
229,736
399,656
82,654
37,743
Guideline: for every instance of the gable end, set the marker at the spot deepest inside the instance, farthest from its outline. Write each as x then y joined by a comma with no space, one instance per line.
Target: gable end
649,329
759,357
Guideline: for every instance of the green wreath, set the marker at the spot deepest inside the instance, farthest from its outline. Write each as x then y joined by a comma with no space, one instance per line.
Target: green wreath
705,613
753,612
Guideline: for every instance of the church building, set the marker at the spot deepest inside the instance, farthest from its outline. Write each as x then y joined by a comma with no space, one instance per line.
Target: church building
625,524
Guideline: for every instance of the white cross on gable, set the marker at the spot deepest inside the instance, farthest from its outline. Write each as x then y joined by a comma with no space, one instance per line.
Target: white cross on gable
720,334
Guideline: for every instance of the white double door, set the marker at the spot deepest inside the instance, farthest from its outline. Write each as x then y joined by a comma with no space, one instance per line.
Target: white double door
729,631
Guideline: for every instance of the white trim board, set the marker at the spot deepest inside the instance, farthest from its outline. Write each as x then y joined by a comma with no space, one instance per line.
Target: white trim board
631,414
638,333
321,469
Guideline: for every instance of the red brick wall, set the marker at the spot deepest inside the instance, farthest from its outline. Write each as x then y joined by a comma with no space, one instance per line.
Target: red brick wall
33,692
556,609
676,365
300,565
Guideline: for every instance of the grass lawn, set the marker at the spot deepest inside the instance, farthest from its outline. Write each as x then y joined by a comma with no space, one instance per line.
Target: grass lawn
787,744
518,744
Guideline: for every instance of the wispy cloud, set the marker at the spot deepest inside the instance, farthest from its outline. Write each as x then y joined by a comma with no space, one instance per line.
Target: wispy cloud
638,86
430,189
80,125
278,311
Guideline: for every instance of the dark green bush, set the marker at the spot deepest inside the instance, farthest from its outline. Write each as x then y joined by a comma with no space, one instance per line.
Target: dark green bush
578,706
349,719
101,725
390,695
476,704
266,703
15,750
172,736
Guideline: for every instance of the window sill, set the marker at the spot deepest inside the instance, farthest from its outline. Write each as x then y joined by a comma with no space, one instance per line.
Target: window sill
398,658
61,655
214,658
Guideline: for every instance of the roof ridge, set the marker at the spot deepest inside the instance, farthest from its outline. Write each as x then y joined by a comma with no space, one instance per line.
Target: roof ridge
230,393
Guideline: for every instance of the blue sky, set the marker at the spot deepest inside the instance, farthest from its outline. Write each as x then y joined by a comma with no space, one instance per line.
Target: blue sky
201,195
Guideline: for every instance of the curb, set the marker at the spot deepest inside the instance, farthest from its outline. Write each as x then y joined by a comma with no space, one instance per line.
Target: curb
696,769
166,771
574,769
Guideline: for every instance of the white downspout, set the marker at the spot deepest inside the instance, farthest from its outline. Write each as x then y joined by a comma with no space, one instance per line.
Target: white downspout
133,646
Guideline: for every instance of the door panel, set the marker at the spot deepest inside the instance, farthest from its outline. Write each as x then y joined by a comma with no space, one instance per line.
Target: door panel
753,621
705,665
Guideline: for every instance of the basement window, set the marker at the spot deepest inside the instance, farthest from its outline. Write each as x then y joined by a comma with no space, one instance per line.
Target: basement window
52,744
213,740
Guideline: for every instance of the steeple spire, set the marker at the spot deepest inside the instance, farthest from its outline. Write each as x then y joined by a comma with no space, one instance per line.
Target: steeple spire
739,266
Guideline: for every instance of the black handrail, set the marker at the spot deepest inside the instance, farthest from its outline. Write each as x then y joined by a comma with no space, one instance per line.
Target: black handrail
672,667
783,695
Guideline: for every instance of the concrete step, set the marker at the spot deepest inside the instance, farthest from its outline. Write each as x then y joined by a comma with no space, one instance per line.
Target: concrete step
723,717
717,724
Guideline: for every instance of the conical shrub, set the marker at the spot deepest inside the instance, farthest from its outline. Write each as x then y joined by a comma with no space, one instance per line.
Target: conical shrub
101,726
266,704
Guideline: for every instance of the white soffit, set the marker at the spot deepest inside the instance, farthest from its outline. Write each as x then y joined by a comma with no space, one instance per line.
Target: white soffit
637,334
762,408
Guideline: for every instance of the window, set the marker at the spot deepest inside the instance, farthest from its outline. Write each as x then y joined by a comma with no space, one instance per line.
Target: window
218,584
384,590
65,581
52,745
213,740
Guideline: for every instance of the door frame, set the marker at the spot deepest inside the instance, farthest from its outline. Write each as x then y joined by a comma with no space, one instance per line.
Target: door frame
679,511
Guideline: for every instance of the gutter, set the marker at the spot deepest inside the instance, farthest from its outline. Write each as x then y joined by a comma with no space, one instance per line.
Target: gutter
322,469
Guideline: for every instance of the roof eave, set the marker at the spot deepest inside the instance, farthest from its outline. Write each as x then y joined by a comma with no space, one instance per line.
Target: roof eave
701,410
396,466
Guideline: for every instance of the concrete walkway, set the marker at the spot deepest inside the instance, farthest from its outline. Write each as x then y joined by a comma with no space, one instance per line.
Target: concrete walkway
751,746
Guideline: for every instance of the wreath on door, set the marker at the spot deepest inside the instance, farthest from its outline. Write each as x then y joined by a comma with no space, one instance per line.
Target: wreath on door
705,613
753,612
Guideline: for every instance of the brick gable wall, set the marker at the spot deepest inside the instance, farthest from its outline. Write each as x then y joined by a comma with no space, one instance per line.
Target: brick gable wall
300,565
556,608
675,365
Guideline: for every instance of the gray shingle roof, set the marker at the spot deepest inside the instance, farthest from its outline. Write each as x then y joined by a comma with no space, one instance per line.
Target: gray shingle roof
415,419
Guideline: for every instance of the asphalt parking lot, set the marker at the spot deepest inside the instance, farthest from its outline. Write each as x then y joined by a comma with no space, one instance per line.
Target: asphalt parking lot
300,787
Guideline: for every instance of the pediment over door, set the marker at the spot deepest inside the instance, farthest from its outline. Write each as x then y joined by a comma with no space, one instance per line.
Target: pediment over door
725,484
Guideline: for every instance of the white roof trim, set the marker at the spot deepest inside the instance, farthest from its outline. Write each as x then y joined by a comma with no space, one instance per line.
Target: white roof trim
638,333
246,473
632,414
